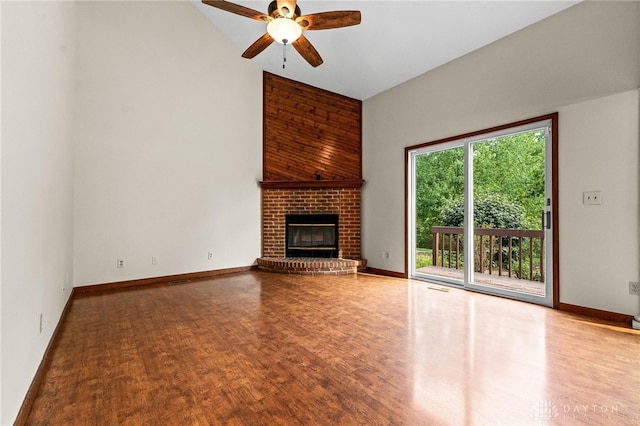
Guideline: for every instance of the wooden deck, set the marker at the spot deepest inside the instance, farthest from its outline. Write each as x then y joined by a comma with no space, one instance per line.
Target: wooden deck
497,281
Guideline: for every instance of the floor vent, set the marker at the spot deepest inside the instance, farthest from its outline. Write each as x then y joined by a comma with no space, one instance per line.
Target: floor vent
179,282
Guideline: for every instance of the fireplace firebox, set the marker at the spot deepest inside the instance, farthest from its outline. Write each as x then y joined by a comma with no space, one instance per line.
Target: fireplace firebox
311,235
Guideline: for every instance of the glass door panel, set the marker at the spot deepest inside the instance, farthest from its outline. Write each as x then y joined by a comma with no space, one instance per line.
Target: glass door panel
439,184
508,200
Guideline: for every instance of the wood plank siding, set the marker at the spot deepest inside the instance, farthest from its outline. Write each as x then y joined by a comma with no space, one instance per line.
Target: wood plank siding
309,132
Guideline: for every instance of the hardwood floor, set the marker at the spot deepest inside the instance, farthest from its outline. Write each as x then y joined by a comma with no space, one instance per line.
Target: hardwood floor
261,348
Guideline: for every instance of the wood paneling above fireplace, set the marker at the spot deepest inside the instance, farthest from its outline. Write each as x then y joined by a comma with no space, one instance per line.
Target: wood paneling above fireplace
310,135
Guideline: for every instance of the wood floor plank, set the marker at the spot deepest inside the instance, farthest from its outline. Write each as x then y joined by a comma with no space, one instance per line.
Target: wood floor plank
260,348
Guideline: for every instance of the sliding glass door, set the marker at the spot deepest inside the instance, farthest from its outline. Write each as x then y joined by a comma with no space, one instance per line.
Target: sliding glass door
480,212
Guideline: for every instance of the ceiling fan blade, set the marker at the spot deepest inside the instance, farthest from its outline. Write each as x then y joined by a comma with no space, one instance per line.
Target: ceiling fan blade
307,51
238,10
287,7
329,20
258,46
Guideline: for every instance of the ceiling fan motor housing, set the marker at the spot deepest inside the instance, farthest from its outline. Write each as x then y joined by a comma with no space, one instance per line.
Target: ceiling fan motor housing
275,13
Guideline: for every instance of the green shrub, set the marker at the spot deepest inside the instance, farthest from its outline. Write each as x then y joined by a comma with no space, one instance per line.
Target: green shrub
491,211
423,258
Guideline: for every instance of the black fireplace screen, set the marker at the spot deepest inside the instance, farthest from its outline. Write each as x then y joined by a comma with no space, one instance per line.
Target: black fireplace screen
311,235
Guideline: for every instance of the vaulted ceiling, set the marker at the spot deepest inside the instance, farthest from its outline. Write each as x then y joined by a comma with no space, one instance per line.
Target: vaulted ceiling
396,41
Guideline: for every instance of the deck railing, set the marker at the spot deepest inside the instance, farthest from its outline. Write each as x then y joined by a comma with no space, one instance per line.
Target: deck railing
515,253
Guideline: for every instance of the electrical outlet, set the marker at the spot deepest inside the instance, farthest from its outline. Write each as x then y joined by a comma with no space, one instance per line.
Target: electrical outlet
634,288
386,254
120,263
154,260
592,197
40,320
210,255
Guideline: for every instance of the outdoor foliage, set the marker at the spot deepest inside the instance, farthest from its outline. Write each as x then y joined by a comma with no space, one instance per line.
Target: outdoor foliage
508,178
439,178
490,211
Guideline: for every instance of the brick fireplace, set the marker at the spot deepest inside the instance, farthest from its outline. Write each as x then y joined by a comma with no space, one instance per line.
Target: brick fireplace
277,203
312,164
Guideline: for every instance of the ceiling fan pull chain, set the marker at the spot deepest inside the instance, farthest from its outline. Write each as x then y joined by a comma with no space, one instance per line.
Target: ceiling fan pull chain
284,53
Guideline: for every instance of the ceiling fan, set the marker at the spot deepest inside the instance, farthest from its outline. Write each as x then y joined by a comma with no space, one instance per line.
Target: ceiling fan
285,24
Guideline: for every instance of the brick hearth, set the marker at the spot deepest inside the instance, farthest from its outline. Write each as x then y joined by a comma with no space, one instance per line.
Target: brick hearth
308,266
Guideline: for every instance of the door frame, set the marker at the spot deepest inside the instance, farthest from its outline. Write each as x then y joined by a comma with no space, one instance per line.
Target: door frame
553,119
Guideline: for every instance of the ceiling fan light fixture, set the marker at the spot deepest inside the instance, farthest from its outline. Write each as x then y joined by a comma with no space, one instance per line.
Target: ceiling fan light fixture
286,24
284,30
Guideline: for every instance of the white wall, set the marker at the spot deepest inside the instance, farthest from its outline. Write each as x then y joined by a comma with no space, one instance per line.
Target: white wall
589,51
599,244
38,59
168,144
1,366
124,136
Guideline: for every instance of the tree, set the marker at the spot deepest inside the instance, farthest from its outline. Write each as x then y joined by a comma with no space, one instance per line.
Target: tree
439,178
513,166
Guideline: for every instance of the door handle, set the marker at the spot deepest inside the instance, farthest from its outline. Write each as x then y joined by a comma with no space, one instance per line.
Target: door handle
546,224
